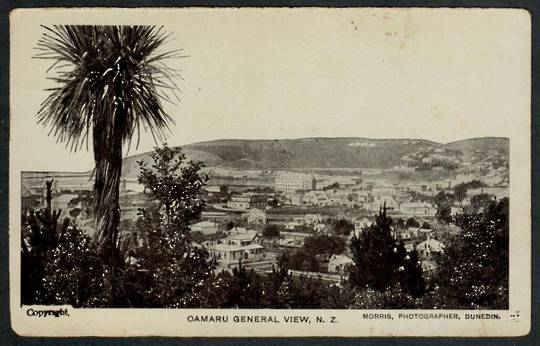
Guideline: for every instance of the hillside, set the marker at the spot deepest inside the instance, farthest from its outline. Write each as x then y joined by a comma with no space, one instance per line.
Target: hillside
327,152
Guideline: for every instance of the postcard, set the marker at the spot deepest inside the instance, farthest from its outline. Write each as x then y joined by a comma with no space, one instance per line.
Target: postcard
270,172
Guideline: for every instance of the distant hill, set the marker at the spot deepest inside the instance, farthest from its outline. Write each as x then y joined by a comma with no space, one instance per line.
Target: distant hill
468,146
351,152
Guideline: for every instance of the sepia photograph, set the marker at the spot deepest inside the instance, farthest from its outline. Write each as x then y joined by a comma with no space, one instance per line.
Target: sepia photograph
301,172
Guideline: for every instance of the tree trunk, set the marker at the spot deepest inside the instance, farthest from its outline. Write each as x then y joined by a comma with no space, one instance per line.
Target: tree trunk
108,159
107,136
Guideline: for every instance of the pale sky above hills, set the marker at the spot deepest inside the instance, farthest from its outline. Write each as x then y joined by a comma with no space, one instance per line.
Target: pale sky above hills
441,75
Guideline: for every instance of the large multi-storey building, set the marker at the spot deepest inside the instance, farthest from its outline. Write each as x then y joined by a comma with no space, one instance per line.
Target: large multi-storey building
290,182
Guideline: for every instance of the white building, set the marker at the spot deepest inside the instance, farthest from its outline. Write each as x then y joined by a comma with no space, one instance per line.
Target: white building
205,227
239,244
430,246
418,208
292,225
338,263
313,219
290,182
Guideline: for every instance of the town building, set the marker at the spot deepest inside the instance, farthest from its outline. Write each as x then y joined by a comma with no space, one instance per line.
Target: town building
247,200
291,182
240,244
294,198
429,247
313,219
205,227
338,263
408,233
428,268
360,224
292,225
418,209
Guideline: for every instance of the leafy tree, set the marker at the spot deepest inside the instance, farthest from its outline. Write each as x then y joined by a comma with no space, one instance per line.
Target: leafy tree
73,274
381,263
59,264
85,201
480,202
333,186
444,202
460,190
324,245
307,293
175,185
338,296
342,227
474,266
411,222
75,212
400,223
303,260
425,225
40,236
375,255
393,297
285,293
111,81
271,230
412,280
274,280
178,270
244,290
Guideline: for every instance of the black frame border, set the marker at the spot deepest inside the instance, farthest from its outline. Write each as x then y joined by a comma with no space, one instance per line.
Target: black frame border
9,337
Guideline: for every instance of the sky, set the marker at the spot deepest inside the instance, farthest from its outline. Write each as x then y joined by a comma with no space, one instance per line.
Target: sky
441,75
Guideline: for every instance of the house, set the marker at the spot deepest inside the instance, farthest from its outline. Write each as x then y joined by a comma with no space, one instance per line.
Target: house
455,210
291,225
320,228
428,267
241,237
313,219
409,245
228,254
291,242
430,246
384,191
362,223
239,244
409,233
205,227
338,263
425,233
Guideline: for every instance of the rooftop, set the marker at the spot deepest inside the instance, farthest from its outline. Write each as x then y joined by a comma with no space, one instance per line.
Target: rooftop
341,259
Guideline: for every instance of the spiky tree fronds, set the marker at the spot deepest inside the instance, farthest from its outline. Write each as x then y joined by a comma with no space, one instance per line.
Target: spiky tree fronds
103,72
